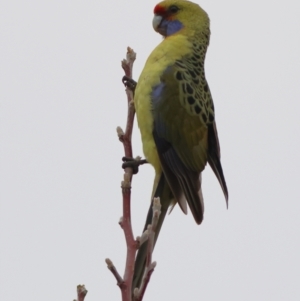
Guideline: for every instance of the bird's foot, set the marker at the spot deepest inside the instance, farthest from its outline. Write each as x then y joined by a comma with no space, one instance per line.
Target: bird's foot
133,163
129,83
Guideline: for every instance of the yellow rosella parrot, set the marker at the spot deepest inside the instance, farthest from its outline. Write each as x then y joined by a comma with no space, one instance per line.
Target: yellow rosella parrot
175,113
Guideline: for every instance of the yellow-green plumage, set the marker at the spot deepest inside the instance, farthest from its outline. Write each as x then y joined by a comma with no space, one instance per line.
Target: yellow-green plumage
175,112
164,54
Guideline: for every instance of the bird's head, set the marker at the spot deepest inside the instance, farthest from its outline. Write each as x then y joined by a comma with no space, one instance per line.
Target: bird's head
173,16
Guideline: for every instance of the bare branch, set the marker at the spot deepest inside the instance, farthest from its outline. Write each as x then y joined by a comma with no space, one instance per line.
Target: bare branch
125,221
131,167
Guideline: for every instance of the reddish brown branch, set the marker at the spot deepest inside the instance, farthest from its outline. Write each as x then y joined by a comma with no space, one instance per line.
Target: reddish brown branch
126,184
125,222
127,65
130,242
125,283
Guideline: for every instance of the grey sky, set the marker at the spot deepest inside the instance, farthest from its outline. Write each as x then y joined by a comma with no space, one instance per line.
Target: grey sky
61,100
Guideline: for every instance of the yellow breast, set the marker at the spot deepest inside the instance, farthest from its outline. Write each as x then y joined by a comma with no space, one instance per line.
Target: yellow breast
164,55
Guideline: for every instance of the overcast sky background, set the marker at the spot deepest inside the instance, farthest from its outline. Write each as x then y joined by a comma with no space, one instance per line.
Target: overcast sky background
61,101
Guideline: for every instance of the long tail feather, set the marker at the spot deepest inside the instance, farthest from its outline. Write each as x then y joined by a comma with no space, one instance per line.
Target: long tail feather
214,157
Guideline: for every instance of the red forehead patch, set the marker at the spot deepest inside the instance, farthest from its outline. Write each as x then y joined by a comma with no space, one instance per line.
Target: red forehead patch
159,10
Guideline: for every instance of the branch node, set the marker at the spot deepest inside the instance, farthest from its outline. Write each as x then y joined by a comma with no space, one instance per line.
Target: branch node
156,204
126,184
131,55
81,292
152,265
123,63
121,221
144,237
136,293
120,133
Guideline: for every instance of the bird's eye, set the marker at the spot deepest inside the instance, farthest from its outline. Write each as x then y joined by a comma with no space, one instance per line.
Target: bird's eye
173,9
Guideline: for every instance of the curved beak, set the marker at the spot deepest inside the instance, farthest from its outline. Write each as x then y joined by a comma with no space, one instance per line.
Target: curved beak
156,22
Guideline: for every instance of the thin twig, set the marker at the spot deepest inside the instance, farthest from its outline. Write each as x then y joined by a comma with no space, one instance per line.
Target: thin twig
127,65
114,271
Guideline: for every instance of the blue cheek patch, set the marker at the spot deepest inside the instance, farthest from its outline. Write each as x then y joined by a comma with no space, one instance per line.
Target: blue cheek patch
171,26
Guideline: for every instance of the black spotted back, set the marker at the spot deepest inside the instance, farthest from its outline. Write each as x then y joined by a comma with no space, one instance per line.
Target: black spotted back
194,92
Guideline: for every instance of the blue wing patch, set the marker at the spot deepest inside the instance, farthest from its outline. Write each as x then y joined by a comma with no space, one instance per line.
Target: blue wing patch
181,179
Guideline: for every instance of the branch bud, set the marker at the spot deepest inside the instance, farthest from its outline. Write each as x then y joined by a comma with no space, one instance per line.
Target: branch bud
109,263
156,204
152,265
144,237
120,132
131,55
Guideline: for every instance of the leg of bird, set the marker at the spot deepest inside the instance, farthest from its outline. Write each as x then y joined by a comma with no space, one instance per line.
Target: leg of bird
129,83
133,163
